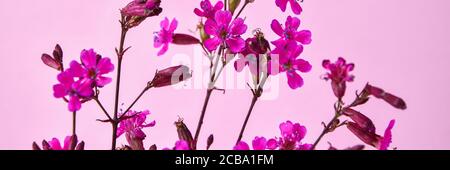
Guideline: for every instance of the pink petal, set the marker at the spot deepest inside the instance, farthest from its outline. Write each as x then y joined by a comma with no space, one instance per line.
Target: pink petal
296,8
55,145
272,144
241,146
173,25
102,81
295,81
276,27
89,58
302,65
387,139
259,143
67,143
165,24
199,12
211,27
235,44
76,69
292,23
282,4
238,27
74,104
105,66
59,91
223,18
163,50
212,43
304,37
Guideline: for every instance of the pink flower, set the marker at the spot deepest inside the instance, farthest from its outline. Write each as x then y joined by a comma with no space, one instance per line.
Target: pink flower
241,146
339,75
259,143
165,36
225,33
387,138
207,9
182,145
93,67
291,64
70,143
295,5
76,90
291,137
134,125
290,32
370,137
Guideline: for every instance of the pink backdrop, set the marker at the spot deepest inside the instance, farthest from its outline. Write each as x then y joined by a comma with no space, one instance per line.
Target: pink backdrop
400,45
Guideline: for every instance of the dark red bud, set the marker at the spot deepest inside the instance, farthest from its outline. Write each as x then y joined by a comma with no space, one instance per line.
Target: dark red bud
356,148
58,53
171,76
362,120
35,146
210,141
135,143
184,133
51,62
45,145
153,148
339,88
367,137
393,100
73,142
184,39
80,146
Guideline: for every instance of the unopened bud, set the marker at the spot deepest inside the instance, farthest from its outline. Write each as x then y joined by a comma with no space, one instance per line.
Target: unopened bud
393,100
365,136
45,145
171,76
139,10
73,142
233,4
51,62
360,119
35,146
153,148
184,134
203,35
80,146
210,141
184,39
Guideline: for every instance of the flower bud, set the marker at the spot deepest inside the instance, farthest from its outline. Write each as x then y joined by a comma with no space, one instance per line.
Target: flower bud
339,89
184,134
51,62
210,141
134,142
203,35
45,145
233,4
184,39
153,148
35,146
73,142
80,146
365,136
393,100
58,53
360,119
139,10
356,148
171,76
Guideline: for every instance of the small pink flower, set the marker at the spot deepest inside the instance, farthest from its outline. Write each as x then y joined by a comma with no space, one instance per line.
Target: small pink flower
207,9
70,143
225,32
291,64
292,135
290,32
339,74
93,67
76,90
165,36
134,125
140,7
182,145
241,146
259,143
295,5
387,138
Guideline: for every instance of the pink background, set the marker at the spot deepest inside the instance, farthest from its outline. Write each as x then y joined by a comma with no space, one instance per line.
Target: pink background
400,45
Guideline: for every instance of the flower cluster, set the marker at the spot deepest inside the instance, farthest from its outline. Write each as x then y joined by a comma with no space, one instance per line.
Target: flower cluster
132,128
79,81
291,139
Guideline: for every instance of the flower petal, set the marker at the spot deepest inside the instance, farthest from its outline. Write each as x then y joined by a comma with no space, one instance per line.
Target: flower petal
295,81
212,43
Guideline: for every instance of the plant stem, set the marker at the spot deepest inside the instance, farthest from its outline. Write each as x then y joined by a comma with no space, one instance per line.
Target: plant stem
103,108
255,99
242,9
325,131
134,102
120,54
202,116
74,123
